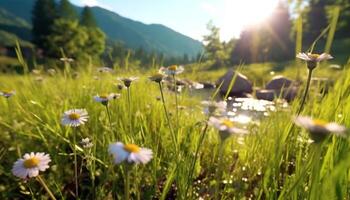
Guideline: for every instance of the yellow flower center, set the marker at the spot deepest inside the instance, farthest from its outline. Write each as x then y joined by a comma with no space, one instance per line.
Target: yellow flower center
172,68
227,123
131,148
74,116
104,96
318,122
314,56
7,92
31,162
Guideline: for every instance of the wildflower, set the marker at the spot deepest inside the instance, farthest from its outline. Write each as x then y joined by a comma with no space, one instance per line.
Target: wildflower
51,71
319,129
105,98
172,70
157,77
30,165
313,59
214,108
127,81
39,79
75,75
105,70
36,72
7,93
119,86
86,142
67,60
129,152
75,117
226,127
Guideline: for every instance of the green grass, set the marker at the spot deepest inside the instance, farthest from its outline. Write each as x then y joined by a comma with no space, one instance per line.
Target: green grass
274,162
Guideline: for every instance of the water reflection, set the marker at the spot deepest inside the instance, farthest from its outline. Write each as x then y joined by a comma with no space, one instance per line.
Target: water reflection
249,110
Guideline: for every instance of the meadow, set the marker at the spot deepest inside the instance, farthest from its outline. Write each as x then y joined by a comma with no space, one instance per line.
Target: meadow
275,160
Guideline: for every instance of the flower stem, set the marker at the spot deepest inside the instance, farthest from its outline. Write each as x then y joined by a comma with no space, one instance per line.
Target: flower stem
306,92
110,121
13,134
75,163
42,182
127,184
176,103
167,117
193,164
219,171
129,109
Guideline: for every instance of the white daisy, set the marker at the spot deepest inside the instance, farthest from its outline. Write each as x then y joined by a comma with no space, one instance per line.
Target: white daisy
157,77
313,59
129,152
105,70
67,59
127,81
214,108
105,98
226,127
86,142
171,70
75,117
30,165
319,129
7,93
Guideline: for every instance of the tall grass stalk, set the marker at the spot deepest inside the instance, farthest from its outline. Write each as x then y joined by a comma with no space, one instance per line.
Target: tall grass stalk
129,109
110,123
173,135
42,182
196,155
176,104
303,101
219,169
75,163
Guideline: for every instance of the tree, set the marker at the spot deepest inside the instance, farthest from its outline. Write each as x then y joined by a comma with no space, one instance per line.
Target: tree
244,48
68,36
66,10
213,47
278,44
87,18
316,19
95,43
344,20
43,16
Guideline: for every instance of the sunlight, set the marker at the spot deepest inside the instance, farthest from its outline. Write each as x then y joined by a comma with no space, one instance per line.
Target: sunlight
233,15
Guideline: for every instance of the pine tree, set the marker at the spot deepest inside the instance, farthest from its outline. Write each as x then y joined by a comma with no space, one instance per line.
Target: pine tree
214,48
344,20
279,25
316,19
66,10
87,18
68,36
43,16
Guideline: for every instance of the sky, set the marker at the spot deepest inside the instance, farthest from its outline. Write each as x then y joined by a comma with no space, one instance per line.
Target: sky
190,17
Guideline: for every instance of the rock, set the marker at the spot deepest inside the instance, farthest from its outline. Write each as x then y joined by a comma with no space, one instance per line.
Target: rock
290,93
282,87
208,85
268,95
241,85
278,83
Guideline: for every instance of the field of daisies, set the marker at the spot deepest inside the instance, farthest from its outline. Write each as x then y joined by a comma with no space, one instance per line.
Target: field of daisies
124,135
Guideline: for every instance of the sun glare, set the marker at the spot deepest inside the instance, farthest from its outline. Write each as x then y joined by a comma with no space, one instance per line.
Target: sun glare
234,15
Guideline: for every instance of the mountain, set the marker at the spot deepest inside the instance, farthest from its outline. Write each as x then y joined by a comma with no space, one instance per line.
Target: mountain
15,17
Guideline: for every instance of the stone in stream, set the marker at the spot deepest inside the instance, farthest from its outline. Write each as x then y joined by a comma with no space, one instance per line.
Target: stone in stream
241,86
268,95
278,87
279,82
